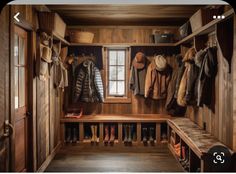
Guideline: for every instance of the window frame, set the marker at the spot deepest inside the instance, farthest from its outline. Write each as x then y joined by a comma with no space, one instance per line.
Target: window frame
117,98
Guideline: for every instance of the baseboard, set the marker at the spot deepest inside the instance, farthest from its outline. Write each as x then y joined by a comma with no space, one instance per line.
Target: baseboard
43,167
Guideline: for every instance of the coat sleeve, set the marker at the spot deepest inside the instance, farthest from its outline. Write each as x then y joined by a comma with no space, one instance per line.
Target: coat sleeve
148,82
132,79
79,84
192,77
99,85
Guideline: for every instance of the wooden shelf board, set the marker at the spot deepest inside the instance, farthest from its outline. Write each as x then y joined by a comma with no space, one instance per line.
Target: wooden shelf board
119,118
124,44
206,29
63,41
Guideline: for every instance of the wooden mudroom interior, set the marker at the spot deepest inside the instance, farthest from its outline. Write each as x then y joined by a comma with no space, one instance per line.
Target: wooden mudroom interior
118,88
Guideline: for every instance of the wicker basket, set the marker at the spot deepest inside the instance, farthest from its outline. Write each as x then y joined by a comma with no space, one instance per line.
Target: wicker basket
81,37
52,22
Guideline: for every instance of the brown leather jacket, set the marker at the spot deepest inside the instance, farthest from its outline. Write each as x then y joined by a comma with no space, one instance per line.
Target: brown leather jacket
156,83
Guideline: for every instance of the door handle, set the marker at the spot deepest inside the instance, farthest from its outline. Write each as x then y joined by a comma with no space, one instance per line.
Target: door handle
8,129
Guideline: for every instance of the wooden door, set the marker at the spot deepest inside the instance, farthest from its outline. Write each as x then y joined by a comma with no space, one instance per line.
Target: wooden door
21,120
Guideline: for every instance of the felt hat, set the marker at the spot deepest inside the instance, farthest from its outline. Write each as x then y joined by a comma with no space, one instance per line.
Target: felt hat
139,60
46,53
160,63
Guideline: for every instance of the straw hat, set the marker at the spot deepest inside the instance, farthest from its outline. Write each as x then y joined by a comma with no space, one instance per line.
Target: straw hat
139,60
46,53
160,62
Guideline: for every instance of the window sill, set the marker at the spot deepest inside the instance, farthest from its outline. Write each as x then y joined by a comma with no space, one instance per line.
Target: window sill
117,100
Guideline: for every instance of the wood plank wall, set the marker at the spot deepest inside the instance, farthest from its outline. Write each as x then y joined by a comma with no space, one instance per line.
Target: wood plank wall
4,84
234,87
47,105
109,35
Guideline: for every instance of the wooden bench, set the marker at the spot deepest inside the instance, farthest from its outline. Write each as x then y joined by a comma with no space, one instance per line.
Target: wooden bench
198,140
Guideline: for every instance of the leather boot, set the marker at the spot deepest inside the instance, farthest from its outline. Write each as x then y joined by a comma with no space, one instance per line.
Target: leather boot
112,136
93,133
74,135
129,133
144,135
106,139
68,133
126,133
151,135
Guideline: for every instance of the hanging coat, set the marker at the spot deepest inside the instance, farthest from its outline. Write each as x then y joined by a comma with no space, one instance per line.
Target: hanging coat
88,86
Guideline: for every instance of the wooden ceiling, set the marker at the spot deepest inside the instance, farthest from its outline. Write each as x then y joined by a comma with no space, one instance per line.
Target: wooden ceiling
125,14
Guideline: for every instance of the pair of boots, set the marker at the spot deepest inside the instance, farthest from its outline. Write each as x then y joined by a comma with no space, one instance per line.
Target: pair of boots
94,129
185,158
71,134
145,135
109,137
128,133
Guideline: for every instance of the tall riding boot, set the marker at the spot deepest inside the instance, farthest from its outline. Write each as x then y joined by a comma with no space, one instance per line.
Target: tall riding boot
151,135
145,135
93,133
129,134
74,135
68,133
126,133
112,136
106,139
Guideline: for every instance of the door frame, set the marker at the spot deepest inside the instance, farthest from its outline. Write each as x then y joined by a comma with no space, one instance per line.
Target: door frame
31,144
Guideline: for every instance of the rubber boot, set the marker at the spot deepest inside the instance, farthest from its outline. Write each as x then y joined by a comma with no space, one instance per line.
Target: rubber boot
93,133
145,135
129,134
112,136
106,139
74,135
126,133
68,134
151,135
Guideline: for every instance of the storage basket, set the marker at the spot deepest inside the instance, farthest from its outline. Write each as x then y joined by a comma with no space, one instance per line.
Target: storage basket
203,16
185,30
52,22
163,38
81,37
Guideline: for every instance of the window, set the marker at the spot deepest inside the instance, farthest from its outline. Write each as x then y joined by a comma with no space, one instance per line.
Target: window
117,72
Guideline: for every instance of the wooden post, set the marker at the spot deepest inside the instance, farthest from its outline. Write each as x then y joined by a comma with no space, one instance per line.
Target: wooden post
100,133
81,132
158,133
139,127
120,133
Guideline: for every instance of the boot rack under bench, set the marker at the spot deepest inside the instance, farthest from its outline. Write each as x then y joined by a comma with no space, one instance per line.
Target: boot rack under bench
198,141
120,120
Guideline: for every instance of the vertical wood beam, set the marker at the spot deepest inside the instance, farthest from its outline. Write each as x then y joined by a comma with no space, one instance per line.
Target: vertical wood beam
81,132
158,133
120,133
139,127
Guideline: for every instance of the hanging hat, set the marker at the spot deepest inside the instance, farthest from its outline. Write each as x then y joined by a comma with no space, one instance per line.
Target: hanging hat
160,62
46,53
139,60
45,39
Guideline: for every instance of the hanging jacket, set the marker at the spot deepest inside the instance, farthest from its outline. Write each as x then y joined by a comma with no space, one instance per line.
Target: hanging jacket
186,91
171,102
88,86
206,78
156,82
137,80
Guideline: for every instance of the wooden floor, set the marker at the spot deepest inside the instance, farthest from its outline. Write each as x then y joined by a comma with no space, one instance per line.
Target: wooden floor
79,158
